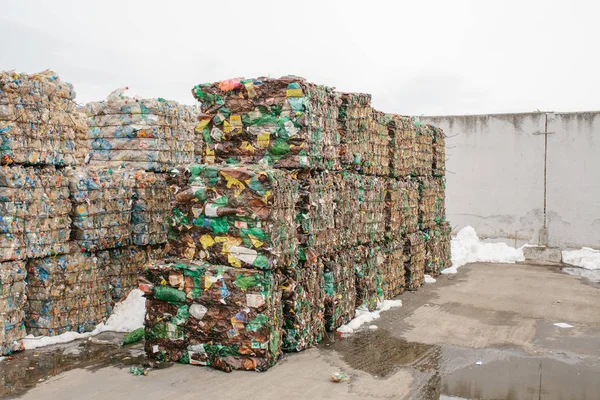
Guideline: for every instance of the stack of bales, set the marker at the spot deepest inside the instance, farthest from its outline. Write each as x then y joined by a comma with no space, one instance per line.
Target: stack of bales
310,197
432,206
40,131
145,134
150,208
234,233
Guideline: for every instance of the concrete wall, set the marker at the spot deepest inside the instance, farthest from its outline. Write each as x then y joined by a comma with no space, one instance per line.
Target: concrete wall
495,176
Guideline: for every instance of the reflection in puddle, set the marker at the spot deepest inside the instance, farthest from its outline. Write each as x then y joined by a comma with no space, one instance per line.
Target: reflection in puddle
523,378
26,369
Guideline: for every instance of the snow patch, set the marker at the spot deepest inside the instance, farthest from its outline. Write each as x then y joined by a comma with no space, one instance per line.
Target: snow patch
585,257
563,325
127,316
365,316
430,279
592,275
468,248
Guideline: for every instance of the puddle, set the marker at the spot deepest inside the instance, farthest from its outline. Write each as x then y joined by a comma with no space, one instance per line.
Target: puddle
523,378
28,368
380,354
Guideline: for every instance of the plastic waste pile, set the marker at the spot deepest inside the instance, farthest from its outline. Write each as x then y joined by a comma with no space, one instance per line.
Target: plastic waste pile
286,122
140,134
437,249
39,123
207,314
150,208
12,305
414,260
65,293
101,207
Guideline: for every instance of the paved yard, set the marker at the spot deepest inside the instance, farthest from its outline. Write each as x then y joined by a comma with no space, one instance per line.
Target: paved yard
485,333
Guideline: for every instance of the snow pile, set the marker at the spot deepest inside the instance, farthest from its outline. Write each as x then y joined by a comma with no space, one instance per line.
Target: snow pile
592,275
467,248
364,316
127,316
430,279
585,258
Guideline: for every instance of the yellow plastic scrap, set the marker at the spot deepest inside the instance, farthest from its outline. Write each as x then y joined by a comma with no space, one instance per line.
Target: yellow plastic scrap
233,182
263,140
207,241
248,147
236,123
201,125
226,127
294,92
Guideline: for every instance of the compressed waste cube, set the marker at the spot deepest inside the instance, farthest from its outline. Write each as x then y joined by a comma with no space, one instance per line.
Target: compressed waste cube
432,209
433,251
34,212
39,123
391,269
423,150
147,134
360,214
414,260
439,151
285,122
223,317
150,208
402,132
315,211
445,248
101,207
396,202
122,267
66,293
303,306
339,288
368,280
364,135
241,216
12,306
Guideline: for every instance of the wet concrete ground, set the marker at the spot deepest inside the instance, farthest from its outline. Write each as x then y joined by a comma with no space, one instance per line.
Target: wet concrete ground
486,333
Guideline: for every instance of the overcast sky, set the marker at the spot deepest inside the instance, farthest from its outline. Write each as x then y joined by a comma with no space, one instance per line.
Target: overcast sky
414,57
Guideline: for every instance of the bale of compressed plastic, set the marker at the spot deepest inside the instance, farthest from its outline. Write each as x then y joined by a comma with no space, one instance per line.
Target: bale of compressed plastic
339,288
122,267
12,306
414,260
391,268
147,134
360,214
315,211
434,262
66,293
396,198
432,209
303,305
423,150
411,206
101,207
34,212
445,248
364,137
223,317
402,132
439,151
285,122
241,216
39,123
367,260
150,208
